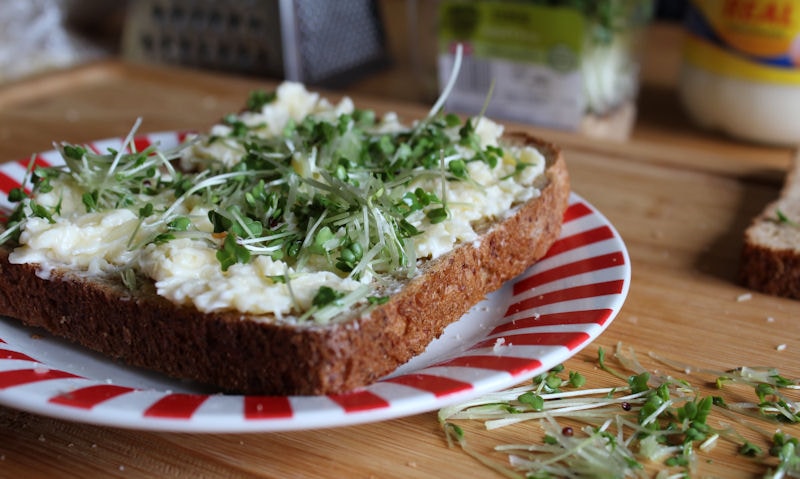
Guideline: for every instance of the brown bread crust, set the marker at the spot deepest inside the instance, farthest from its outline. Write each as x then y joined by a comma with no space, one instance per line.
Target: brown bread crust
771,271
770,258
234,353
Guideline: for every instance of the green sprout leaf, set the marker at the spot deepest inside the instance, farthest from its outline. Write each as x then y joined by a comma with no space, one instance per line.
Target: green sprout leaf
326,296
232,252
259,98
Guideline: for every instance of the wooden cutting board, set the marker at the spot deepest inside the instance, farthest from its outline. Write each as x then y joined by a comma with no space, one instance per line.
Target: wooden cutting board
680,198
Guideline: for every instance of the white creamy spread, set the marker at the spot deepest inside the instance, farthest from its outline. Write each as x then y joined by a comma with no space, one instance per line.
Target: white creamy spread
186,270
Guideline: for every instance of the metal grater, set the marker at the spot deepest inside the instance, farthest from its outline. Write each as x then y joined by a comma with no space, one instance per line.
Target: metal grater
318,42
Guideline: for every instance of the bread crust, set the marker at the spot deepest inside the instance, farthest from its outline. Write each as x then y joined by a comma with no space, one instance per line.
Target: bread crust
770,257
234,353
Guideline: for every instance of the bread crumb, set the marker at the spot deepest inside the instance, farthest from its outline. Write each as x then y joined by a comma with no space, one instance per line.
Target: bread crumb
744,297
42,438
633,319
72,115
780,347
209,102
121,468
770,319
412,464
499,343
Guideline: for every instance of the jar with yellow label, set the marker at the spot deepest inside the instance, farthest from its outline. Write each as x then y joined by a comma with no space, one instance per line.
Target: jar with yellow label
741,69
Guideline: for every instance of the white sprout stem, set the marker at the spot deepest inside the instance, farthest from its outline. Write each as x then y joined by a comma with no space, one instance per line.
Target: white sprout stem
128,140
262,239
366,260
629,362
590,392
443,180
325,314
28,171
240,221
365,226
156,159
289,288
6,234
590,410
310,234
654,415
208,182
709,443
514,393
486,101
262,249
451,82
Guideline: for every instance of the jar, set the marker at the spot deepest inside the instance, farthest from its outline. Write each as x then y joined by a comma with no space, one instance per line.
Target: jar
553,63
740,71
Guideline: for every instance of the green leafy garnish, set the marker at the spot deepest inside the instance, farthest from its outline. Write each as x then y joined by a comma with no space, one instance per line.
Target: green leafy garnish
650,421
326,296
259,98
232,252
783,219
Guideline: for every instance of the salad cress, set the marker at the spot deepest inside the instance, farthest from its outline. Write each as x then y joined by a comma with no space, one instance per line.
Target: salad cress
290,189
647,423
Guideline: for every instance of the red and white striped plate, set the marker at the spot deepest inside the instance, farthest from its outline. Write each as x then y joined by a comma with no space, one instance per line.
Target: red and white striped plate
531,324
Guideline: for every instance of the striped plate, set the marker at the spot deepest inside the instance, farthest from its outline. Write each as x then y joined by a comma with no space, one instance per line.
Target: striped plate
531,324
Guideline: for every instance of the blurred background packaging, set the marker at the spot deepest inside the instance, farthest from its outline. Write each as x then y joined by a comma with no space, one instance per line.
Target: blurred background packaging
557,63
569,64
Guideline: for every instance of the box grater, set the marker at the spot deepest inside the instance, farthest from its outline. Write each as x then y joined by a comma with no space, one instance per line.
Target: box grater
319,42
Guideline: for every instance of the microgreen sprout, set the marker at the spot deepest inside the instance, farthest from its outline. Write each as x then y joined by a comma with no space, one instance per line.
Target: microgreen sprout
783,219
647,421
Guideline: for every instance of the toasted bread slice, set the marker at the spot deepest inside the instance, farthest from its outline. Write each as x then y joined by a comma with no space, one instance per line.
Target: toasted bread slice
770,260
234,352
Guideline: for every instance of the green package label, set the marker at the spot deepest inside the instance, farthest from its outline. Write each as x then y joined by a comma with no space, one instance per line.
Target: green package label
525,58
516,31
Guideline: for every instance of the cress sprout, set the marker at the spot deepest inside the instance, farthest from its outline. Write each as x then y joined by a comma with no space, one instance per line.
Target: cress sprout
646,421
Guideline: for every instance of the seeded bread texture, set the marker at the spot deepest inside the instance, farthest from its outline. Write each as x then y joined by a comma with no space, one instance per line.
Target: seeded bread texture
232,352
770,261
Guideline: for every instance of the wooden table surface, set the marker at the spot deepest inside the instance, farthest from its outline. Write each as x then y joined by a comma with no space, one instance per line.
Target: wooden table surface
679,197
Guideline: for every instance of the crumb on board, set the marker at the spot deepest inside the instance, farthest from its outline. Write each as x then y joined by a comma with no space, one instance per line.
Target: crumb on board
744,297
780,347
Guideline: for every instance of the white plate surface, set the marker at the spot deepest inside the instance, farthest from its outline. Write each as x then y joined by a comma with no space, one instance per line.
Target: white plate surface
533,323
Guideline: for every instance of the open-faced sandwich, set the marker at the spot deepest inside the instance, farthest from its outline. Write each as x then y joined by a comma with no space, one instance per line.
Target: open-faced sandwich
298,247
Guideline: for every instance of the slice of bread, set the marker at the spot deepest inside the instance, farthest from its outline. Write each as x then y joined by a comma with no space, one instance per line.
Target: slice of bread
770,260
234,352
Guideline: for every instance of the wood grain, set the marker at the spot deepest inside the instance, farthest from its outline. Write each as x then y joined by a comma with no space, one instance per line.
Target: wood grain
679,197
